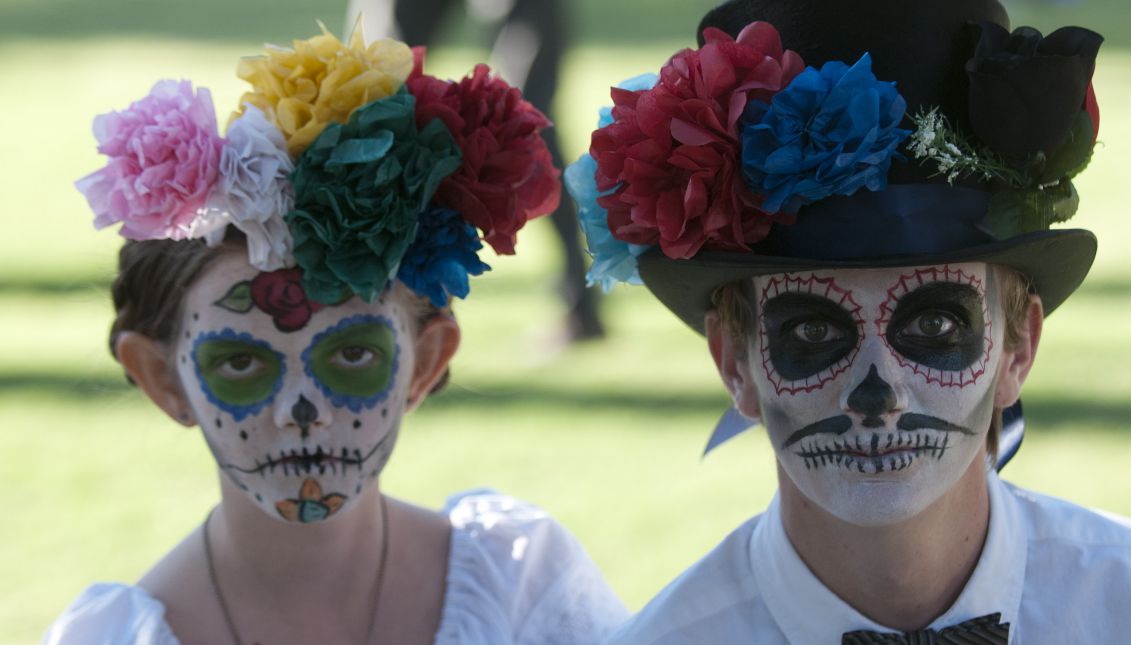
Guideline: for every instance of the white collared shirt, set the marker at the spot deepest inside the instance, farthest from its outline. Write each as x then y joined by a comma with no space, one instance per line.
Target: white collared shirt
1057,572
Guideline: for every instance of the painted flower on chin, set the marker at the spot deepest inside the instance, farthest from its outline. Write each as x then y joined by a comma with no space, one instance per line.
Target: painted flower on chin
507,176
671,155
311,505
830,132
164,155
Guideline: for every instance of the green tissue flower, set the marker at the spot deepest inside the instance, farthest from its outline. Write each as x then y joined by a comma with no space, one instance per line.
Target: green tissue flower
359,189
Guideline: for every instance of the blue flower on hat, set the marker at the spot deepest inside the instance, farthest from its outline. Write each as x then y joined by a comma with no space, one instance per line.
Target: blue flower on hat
613,260
441,257
830,132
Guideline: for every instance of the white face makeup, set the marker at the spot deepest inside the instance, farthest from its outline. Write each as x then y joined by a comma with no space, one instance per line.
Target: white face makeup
876,385
299,403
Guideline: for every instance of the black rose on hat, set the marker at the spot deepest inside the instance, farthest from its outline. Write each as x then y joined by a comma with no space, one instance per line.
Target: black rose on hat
1027,91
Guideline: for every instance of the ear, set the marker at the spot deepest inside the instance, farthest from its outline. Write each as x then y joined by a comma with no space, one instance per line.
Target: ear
436,343
730,356
1017,361
148,366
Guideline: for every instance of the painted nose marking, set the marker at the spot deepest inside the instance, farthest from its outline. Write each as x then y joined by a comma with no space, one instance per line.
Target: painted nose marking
304,413
872,398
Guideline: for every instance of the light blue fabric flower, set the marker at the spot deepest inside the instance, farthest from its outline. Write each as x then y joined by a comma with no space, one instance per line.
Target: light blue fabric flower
613,260
442,256
830,132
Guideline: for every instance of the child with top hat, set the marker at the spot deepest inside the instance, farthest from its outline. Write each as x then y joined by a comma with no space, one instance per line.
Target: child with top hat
851,200
287,288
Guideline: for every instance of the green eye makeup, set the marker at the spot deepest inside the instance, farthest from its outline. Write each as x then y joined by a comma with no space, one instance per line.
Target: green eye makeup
355,361
238,373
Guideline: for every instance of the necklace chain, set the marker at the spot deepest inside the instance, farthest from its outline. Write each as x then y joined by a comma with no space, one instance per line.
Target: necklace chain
380,575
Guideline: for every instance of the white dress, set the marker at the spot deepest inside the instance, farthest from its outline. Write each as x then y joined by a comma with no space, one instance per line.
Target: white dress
515,576
1056,572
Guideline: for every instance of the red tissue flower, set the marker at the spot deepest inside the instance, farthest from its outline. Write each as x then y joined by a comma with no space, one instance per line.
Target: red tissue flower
673,151
280,295
507,176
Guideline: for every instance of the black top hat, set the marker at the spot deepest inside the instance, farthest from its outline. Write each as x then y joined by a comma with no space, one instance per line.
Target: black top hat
1016,109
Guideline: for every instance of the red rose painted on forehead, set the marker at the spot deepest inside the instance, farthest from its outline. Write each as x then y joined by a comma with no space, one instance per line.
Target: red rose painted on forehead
280,295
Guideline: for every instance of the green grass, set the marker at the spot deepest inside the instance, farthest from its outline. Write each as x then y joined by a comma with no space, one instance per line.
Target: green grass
606,436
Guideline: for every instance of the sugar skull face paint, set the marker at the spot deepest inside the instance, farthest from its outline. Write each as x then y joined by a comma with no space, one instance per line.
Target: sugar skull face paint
876,385
353,362
301,416
238,373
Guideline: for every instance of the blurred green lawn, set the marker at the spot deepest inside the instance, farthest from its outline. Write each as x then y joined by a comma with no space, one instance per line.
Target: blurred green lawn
606,436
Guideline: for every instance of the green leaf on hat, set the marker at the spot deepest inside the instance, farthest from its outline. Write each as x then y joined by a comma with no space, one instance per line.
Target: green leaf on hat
1073,156
1014,212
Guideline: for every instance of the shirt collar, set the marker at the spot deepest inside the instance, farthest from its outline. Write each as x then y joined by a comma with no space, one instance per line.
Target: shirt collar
807,612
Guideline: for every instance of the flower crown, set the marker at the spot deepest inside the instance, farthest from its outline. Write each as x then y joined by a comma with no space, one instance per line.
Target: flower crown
344,160
735,137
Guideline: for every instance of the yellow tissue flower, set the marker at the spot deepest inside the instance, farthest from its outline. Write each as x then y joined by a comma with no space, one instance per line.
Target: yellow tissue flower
322,81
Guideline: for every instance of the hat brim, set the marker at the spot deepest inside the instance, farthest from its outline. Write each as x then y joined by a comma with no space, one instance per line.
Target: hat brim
1055,261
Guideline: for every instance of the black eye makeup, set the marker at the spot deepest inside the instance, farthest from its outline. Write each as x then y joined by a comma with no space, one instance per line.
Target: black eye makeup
940,325
806,334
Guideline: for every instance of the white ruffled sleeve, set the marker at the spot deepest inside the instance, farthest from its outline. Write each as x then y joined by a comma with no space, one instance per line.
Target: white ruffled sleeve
112,613
517,576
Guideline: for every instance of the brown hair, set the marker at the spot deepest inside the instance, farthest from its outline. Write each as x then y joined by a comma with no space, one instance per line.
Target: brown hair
155,275
734,303
153,278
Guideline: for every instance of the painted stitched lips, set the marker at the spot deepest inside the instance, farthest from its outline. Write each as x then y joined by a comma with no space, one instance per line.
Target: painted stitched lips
280,295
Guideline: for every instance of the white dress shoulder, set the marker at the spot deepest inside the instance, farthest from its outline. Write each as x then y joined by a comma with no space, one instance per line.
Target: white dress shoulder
515,576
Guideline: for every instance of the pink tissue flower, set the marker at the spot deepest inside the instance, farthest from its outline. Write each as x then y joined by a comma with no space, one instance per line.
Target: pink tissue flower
164,153
673,155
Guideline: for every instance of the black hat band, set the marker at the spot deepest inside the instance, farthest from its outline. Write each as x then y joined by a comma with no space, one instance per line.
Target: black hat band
905,219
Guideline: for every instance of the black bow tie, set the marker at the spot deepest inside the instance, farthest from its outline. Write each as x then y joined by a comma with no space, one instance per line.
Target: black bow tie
986,629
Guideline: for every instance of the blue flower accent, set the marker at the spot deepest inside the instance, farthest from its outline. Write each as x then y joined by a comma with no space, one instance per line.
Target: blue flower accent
441,257
238,412
353,403
613,260
830,132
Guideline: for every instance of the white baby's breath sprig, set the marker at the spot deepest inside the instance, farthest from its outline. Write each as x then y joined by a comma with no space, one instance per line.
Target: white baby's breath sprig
934,139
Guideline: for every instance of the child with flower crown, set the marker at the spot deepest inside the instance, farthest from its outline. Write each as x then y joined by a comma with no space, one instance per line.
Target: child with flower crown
287,288
853,200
